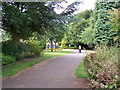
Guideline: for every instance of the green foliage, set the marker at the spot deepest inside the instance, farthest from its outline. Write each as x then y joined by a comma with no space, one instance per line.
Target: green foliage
114,22
23,55
103,67
26,48
22,19
64,42
78,26
102,29
6,59
14,20
85,14
87,36
5,35
72,47
8,48
35,47
22,22
32,47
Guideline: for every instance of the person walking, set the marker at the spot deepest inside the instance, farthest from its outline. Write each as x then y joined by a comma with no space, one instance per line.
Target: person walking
79,49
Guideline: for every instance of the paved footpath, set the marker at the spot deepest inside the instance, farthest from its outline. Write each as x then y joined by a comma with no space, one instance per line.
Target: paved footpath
54,73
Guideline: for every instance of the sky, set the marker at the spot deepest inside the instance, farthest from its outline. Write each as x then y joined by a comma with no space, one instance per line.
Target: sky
87,4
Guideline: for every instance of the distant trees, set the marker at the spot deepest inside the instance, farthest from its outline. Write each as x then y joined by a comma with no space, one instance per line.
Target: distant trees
87,36
21,19
77,26
28,24
98,26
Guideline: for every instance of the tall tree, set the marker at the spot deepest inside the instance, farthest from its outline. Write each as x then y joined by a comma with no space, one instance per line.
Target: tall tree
102,28
22,19
114,22
76,27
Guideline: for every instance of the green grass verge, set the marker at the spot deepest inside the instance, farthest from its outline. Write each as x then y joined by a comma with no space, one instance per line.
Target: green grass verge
13,68
80,71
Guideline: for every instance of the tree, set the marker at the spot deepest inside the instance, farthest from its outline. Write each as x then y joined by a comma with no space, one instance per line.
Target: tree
102,29
22,19
114,22
63,19
87,36
78,26
85,14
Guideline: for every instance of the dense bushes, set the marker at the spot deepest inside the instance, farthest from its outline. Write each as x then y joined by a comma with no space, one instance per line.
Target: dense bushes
103,67
6,59
8,48
35,47
25,49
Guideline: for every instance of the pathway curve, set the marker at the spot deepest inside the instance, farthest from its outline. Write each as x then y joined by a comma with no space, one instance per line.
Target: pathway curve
54,73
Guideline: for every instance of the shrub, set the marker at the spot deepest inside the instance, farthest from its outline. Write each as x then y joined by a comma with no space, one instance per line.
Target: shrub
25,49
6,59
103,67
26,55
9,49
72,48
35,47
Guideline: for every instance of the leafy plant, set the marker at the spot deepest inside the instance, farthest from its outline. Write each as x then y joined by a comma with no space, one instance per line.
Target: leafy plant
35,46
102,29
76,27
103,67
114,22
87,36
6,59
8,48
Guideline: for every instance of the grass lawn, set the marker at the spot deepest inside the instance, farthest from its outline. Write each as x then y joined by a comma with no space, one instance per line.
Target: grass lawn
13,68
80,72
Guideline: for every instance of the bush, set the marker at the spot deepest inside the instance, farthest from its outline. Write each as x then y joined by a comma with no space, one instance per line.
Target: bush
103,67
9,49
6,59
35,47
26,55
72,48
25,49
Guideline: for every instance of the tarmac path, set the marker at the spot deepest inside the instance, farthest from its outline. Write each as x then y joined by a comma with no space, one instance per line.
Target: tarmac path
54,73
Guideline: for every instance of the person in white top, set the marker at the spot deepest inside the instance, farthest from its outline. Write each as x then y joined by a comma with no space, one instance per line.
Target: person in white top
79,49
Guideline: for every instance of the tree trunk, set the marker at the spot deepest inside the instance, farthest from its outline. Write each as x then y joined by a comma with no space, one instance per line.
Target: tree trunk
51,45
55,46
46,45
15,40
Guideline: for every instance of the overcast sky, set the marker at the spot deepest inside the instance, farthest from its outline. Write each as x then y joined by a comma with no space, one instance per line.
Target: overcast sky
87,4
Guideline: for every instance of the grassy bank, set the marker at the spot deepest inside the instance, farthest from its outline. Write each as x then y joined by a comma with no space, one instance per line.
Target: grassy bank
11,69
80,71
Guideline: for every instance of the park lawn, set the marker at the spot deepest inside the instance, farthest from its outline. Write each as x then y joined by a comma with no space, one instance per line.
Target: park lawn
80,71
13,68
